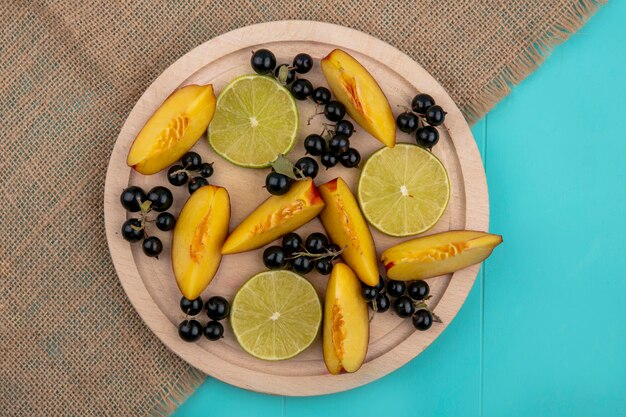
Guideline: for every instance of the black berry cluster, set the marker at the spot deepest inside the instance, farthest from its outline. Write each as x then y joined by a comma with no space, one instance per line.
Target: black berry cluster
263,62
135,199
423,119
190,329
191,162
284,173
302,256
333,145
408,301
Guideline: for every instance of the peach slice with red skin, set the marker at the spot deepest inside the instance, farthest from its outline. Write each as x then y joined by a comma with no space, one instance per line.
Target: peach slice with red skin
197,241
346,226
356,89
173,129
438,254
276,216
346,322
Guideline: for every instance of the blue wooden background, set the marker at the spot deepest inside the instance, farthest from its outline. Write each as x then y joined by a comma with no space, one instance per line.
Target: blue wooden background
543,332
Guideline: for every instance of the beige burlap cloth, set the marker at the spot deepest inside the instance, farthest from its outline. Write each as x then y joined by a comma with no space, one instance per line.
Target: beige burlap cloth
70,72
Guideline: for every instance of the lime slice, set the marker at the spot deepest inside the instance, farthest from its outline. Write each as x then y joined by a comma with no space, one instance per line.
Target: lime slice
276,315
256,119
403,190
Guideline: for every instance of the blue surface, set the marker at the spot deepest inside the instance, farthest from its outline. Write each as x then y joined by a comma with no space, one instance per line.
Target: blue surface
543,332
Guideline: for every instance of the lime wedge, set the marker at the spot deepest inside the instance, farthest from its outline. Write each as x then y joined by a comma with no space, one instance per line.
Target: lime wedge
403,190
276,315
256,119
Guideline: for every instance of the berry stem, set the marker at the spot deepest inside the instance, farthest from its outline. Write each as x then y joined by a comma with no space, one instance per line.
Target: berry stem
316,256
308,122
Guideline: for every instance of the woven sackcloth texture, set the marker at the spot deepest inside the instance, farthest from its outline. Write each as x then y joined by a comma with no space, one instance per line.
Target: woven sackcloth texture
70,72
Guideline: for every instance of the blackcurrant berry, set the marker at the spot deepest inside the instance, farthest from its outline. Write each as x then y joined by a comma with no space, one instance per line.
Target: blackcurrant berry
303,63
334,111
177,175
302,265
206,169
217,308
395,288
152,246
418,290
214,330
338,144
286,75
321,95
274,257
422,319
191,161
407,122
301,89
307,166
315,145
421,103
130,231
329,159
316,243
435,116
344,127
190,330
427,136
403,306
132,197
161,198
263,61
292,242
350,158
165,221
369,293
277,184
191,307
380,303
324,266
334,249
196,183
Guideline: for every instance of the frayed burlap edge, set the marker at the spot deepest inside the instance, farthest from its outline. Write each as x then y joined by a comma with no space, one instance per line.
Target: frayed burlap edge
530,59
179,393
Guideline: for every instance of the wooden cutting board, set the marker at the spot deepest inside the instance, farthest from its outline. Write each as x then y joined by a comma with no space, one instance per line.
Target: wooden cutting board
150,283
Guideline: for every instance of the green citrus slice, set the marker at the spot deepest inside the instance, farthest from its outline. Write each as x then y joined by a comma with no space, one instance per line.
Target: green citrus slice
403,190
275,315
256,119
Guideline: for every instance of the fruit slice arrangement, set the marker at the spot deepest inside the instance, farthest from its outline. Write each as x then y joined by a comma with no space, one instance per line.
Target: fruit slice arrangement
403,191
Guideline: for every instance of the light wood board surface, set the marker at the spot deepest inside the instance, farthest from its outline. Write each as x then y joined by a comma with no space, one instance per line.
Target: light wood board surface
150,284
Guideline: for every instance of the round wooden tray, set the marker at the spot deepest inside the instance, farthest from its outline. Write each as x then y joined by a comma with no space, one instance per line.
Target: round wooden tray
150,283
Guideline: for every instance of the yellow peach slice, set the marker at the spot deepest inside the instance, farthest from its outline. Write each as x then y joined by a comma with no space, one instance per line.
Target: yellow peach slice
346,226
276,216
173,129
198,236
438,254
346,322
356,89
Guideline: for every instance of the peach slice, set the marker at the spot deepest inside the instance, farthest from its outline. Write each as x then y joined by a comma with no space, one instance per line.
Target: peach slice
173,129
346,226
438,254
365,102
276,216
346,322
198,236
